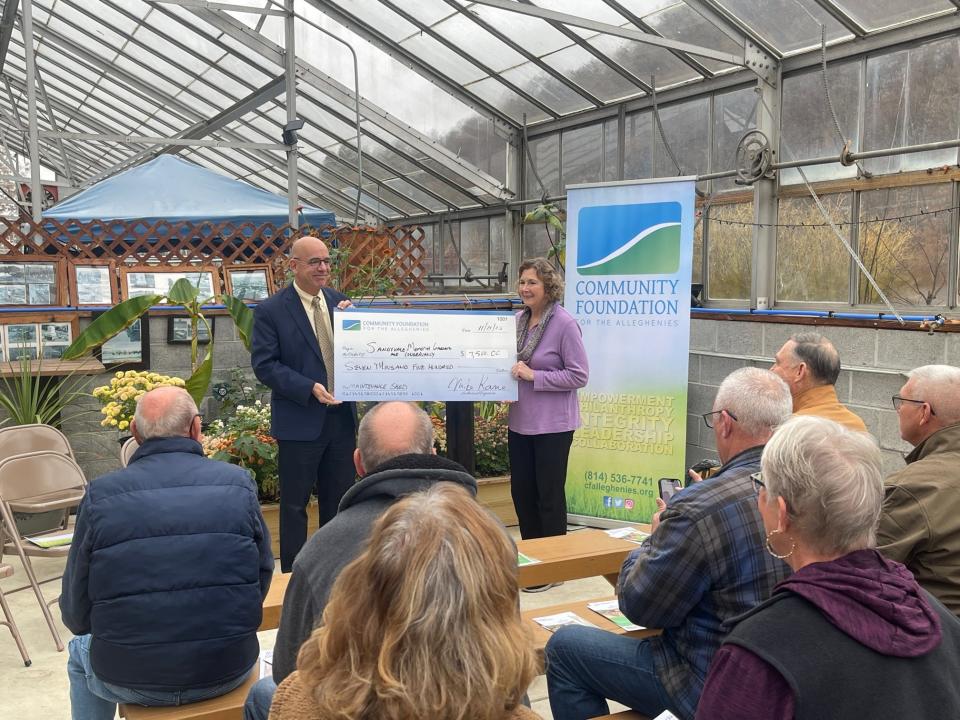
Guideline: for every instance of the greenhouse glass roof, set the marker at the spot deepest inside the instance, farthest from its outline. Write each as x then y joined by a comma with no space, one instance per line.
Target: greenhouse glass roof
445,86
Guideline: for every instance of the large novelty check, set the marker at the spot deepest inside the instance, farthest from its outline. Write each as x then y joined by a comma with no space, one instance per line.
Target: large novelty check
424,355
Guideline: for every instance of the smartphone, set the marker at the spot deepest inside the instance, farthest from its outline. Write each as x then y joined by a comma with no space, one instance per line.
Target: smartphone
668,488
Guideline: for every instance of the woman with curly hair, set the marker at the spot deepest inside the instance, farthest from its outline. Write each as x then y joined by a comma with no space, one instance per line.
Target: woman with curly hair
551,366
424,624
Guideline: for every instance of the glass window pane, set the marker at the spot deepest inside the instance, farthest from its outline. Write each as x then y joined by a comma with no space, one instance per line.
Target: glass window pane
645,60
878,14
729,251
443,59
506,100
499,253
586,71
545,153
553,93
680,22
907,257
475,246
697,271
534,35
611,158
638,146
812,264
807,129
582,153
489,50
734,113
913,96
687,129
789,25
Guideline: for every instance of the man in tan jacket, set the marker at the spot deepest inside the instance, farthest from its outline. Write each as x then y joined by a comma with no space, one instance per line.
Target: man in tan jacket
810,365
920,522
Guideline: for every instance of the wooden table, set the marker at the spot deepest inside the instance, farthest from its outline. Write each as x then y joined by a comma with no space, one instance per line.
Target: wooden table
579,607
579,554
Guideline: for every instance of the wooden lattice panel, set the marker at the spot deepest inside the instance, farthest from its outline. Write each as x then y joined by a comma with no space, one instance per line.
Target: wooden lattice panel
170,244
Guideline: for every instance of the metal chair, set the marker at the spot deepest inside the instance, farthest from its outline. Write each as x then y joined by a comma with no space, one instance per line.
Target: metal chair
7,571
127,450
32,483
19,439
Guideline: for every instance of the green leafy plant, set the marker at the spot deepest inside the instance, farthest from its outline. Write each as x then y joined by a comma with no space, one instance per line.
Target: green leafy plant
375,277
28,397
243,438
489,436
239,390
183,293
551,216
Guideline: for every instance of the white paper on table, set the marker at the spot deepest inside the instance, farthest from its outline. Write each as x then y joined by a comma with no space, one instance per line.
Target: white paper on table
552,622
266,663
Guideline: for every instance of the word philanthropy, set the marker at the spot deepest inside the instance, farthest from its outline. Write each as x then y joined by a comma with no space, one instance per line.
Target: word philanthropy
623,421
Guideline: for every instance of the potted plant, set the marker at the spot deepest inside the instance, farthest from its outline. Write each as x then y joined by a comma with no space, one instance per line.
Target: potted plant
118,400
491,455
185,294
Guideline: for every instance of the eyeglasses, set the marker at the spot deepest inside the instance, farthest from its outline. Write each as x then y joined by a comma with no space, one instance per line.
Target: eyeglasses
898,402
758,483
316,262
708,417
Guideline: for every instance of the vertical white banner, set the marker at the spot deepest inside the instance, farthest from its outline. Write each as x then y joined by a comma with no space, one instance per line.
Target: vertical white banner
629,256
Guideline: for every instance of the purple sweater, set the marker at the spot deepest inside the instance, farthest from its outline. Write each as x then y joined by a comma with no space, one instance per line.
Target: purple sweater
873,600
549,404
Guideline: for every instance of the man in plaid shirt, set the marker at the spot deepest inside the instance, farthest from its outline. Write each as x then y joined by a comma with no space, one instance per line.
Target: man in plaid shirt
704,563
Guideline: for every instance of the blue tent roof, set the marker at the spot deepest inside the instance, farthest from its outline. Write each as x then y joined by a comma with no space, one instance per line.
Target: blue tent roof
170,188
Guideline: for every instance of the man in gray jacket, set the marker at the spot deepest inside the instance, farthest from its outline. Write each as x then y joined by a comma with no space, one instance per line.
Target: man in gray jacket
394,457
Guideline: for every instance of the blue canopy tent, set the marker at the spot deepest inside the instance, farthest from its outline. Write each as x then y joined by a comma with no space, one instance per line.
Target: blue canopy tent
172,189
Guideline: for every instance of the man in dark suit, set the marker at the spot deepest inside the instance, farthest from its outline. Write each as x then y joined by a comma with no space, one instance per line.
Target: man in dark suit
292,354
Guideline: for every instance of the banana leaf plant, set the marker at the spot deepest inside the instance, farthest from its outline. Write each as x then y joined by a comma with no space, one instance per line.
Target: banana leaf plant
183,293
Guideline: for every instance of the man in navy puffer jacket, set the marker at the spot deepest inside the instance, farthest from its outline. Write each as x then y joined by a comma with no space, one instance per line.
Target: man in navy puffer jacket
167,572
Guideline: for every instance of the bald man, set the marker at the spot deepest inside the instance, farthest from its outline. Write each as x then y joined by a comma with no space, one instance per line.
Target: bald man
292,354
167,571
395,457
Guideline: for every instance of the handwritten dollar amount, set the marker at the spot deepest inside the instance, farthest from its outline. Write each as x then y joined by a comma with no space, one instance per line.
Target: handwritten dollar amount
484,353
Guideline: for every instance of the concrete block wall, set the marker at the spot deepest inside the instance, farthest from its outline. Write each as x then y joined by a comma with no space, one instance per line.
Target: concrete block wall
96,447
873,362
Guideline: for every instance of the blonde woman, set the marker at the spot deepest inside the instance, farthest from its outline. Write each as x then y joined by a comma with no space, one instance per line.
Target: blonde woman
424,624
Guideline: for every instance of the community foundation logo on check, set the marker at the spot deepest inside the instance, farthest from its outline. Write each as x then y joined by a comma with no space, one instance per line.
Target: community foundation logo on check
641,239
351,325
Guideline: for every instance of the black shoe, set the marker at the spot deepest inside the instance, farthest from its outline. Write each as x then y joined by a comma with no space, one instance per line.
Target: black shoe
538,588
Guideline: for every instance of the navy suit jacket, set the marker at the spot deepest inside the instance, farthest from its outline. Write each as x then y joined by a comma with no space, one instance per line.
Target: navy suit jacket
286,358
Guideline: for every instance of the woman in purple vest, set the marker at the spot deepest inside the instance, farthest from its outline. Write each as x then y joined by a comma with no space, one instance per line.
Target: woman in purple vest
551,366
850,634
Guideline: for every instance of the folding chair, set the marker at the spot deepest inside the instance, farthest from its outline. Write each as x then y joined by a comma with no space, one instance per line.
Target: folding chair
18,439
127,450
7,571
32,483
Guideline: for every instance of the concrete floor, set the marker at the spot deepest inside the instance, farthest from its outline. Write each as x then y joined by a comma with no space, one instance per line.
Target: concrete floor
42,690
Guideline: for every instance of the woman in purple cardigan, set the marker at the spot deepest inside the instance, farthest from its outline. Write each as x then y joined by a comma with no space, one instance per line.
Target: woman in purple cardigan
551,366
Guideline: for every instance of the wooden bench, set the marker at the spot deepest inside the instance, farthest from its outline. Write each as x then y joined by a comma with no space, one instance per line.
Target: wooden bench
273,602
225,707
580,554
